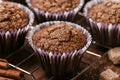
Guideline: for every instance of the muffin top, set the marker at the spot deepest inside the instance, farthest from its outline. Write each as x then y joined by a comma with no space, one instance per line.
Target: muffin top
59,38
55,6
12,17
107,12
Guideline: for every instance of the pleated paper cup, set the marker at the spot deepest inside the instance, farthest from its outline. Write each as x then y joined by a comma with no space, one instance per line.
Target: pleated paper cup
59,63
47,16
107,35
13,40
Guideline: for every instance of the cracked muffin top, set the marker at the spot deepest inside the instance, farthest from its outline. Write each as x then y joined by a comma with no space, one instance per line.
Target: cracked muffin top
107,12
12,17
59,38
55,6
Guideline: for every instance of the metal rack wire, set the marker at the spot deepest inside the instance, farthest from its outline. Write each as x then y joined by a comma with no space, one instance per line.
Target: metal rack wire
23,70
30,73
30,55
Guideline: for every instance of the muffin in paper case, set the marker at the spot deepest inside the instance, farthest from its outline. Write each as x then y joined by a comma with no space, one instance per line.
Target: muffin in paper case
59,63
47,16
13,40
105,34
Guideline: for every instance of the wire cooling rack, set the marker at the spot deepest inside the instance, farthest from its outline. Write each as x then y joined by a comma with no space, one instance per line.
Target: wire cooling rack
25,60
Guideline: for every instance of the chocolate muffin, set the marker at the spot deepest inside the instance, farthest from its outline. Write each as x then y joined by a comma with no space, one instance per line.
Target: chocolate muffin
15,20
47,10
104,19
55,6
59,38
107,13
59,46
12,17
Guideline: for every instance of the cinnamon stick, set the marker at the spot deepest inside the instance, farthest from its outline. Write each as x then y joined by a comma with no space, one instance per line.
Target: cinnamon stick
11,73
3,78
3,64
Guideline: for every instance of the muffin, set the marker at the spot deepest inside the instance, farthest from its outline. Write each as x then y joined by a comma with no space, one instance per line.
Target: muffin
59,46
47,10
104,19
15,20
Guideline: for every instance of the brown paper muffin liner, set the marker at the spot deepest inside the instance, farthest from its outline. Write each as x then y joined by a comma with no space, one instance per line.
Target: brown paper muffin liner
46,16
59,63
11,41
108,35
